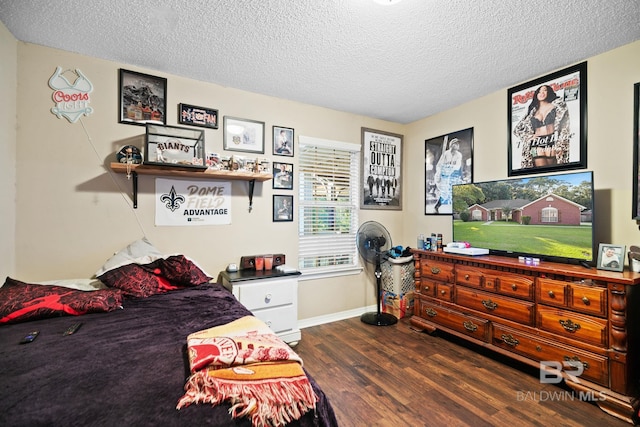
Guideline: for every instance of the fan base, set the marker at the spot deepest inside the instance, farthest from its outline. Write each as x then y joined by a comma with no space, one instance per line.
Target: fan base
379,319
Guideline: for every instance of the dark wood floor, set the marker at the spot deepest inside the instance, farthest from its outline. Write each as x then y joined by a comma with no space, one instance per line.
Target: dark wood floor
395,376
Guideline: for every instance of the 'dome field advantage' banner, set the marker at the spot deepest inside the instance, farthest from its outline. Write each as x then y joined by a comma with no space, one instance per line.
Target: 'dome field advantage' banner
183,202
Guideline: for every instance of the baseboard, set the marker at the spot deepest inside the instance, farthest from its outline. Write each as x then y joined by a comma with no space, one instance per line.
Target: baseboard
334,317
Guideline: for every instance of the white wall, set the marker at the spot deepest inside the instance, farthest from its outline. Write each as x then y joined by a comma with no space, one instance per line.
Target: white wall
610,80
8,89
72,214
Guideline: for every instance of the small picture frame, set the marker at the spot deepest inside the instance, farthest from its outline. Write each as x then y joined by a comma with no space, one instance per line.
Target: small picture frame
282,141
611,257
243,135
282,208
197,116
142,99
282,176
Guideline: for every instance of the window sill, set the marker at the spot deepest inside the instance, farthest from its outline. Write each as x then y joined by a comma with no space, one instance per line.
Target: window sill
329,272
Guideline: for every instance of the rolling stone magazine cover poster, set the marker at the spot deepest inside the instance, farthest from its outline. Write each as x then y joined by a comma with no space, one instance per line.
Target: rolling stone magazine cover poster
546,123
381,170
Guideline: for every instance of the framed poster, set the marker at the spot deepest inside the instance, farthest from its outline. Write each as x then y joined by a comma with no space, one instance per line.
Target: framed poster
282,176
381,171
448,160
197,116
636,154
142,99
547,123
282,208
282,141
243,135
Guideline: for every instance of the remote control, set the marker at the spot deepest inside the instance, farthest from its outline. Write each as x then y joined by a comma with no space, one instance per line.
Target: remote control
72,329
29,337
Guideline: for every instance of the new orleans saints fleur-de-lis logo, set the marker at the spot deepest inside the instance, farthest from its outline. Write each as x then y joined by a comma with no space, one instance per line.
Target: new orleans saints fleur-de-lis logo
172,200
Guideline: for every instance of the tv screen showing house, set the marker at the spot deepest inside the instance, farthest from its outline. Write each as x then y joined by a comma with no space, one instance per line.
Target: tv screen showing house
549,217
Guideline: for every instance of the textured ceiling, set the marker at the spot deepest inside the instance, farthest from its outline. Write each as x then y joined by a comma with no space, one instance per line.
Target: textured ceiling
399,63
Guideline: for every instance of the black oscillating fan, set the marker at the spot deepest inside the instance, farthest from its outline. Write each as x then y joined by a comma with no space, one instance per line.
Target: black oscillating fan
373,242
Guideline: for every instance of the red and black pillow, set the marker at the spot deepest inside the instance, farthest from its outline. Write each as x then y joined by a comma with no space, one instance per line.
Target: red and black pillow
159,276
21,301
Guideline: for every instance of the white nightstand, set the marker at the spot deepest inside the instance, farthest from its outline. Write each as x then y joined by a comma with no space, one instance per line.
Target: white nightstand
272,296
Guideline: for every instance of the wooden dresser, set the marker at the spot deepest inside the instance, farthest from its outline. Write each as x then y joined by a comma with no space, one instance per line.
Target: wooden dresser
582,324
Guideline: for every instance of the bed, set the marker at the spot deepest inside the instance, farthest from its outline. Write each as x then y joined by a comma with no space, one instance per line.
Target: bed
127,364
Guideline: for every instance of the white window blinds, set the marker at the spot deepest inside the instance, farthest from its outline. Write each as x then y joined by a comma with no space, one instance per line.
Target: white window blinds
327,204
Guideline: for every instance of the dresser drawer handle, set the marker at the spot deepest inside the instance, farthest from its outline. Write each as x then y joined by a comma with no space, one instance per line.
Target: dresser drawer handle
267,298
489,305
569,326
435,270
426,288
470,326
430,312
466,277
509,340
551,294
586,301
575,360
514,287
443,292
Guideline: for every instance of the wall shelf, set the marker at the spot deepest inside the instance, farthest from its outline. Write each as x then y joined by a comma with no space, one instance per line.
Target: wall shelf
250,177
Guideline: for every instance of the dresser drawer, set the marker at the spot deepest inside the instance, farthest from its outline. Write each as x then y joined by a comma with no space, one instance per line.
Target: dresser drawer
279,319
469,276
444,291
594,366
552,292
576,326
468,325
582,297
264,294
426,287
437,270
588,299
515,285
497,305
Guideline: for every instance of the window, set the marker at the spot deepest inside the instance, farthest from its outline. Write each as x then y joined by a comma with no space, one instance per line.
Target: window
328,205
549,214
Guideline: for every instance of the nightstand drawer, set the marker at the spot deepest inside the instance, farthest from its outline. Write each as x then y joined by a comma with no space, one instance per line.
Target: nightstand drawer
266,294
278,318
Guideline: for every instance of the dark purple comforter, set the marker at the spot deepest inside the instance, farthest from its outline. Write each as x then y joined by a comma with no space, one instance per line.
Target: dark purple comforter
126,367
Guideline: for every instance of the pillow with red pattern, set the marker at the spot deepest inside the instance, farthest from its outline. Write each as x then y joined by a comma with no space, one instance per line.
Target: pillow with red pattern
159,276
21,301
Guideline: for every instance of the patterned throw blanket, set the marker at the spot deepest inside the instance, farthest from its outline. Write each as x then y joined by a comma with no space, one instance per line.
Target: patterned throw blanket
246,364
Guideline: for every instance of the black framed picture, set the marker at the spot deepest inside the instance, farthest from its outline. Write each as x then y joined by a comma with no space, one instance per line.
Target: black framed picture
448,160
547,123
282,141
381,171
197,116
142,98
282,208
636,153
282,176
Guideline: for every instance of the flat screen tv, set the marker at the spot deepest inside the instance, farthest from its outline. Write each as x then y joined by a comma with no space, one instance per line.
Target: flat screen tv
547,217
